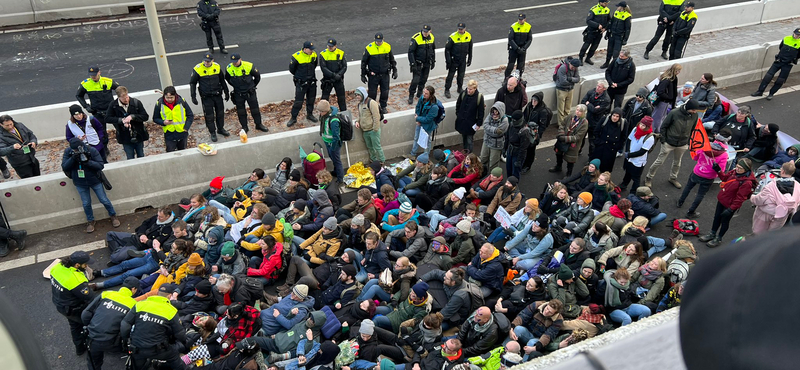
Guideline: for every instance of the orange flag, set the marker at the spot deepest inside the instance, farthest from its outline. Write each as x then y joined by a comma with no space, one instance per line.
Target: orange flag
698,139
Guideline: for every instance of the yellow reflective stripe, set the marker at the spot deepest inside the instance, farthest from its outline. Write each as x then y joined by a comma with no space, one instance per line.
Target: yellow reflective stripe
203,71
459,38
421,40
157,305
304,58
600,10
337,54
104,83
622,15
67,277
687,17
177,115
242,70
374,49
123,297
791,42
673,2
521,28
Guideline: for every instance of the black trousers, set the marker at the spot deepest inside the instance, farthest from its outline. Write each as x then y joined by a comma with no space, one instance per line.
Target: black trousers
304,91
614,47
214,108
632,174
617,98
251,99
170,356
419,79
722,220
76,330
529,157
667,38
372,88
341,95
590,43
97,352
785,68
213,26
677,47
173,145
28,170
455,67
515,58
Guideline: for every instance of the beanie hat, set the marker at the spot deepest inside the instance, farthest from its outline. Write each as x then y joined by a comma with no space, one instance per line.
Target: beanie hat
647,121
367,327
420,289
744,164
203,287
497,172
349,270
423,158
564,273
268,219
643,92
575,62
463,226
595,162
75,108
358,220
440,240
351,254
405,207
438,155
75,143
300,290
195,260
773,127
131,282
300,204
513,180
517,115
533,203
295,175
228,249
586,196
541,220
689,84
185,203
216,183
330,223
459,193
375,166
624,205
692,104
386,364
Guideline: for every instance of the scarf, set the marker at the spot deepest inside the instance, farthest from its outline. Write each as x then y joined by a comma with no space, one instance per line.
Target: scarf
639,132
167,221
481,328
648,274
429,335
612,295
604,189
92,138
232,260
191,213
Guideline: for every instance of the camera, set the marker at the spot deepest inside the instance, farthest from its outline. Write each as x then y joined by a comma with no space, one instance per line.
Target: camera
83,155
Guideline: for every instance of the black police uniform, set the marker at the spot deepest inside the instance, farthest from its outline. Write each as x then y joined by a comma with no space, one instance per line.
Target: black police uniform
598,16
244,80
212,86
788,53
457,57
376,63
422,58
333,66
101,95
303,68
208,11
519,39
681,31
671,10
71,294
102,318
619,30
157,327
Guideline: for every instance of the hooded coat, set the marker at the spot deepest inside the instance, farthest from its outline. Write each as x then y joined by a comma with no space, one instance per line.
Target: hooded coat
774,204
519,141
320,243
494,131
407,310
609,138
369,114
573,130
320,212
416,246
285,321
538,117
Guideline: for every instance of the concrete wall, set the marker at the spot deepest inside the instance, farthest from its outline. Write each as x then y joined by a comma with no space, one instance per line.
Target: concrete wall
779,9
16,12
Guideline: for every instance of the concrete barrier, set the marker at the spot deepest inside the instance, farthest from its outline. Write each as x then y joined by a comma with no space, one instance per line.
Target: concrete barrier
16,12
775,10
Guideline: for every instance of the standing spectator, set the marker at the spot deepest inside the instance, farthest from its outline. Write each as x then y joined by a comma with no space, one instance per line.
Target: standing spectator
376,63
619,75
128,117
494,135
18,143
422,58
176,117
566,77
668,12
424,114
639,143
469,113
211,78
737,186
598,104
608,139
518,142
457,57
619,29
329,129
83,162
776,202
303,69
369,121
571,131
208,11
681,31
635,110
519,40
666,92
88,129
512,94
788,53
676,132
705,92
705,171
538,117
596,25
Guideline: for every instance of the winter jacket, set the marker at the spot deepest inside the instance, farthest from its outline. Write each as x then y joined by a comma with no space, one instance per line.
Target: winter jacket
236,266
621,258
322,209
551,205
537,117
540,326
459,300
464,247
419,178
579,181
513,101
276,232
510,201
573,261
743,134
426,113
518,141
116,113
622,74
340,292
395,213
654,287
377,259
441,259
238,293
737,188
193,304
469,179
632,114
568,294
782,157
625,295
599,105
487,189
643,207
437,361
470,110
70,163
416,246
713,113
600,195
407,310
369,210
439,188
287,341
517,297
286,320
270,264
667,91
601,244
369,115
17,157
582,217
704,166
609,137
209,243
530,246
573,130
488,273
494,131
566,77
319,244
705,94
778,200
476,342
764,146
676,129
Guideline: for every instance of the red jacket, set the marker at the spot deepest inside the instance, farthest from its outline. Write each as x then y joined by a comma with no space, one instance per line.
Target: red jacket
470,179
269,265
736,188
247,326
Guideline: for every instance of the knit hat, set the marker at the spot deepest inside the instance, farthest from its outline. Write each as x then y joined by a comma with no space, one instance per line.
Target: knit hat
744,164
513,180
216,183
300,290
330,223
644,191
541,220
295,175
497,172
564,273
440,240
586,196
203,287
438,155
386,364
643,92
459,193
195,260
773,127
375,166
463,226
131,282
624,205
300,204
75,108
349,270
689,84
533,203
351,254
595,162
517,115
423,158
358,220
268,219
228,249
405,207
367,327
420,289
647,121
589,263
692,104
185,203
716,146
575,62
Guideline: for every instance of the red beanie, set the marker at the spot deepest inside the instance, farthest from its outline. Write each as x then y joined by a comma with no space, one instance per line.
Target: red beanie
216,183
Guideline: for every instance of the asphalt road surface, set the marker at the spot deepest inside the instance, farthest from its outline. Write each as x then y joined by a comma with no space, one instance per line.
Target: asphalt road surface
40,67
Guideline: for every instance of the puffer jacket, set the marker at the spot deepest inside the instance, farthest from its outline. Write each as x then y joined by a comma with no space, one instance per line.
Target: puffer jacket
582,217
270,264
407,310
321,244
276,232
737,188
777,200
705,94
494,131
489,272
565,77
287,341
642,207
16,157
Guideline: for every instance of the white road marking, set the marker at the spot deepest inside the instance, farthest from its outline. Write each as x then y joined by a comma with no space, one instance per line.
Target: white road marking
540,6
176,53
49,256
783,90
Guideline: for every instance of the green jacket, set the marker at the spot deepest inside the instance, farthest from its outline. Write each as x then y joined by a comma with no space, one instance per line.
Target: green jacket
406,311
287,341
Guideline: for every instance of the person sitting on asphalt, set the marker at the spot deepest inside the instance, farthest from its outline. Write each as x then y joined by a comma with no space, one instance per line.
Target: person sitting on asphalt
483,192
468,172
324,245
414,179
486,270
340,293
146,265
248,224
447,227
555,200
615,216
783,156
463,245
532,245
228,289
514,298
648,282
357,230
282,315
409,312
644,203
376,257
565,288
403,273
156,228
573,254
269,226
599,239
363,204
602,192
537,325
479,332
776,201
410,242
766,141
629,256
577,218
459,302
321,210
508,196
582,180
397,219
267,267
500,358
619,298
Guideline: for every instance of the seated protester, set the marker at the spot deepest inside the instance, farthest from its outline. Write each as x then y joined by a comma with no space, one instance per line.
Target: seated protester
197,203
243,205
599,239
323,246
714,113
156,228
326,181
282,174
503,357
201,301
359,226
267,268
509,197
410,242
450,205
409,312
209,235
484,191
188,276
363,205
215,193
555,200
147,264
776,201
634,232
438,256
684,250
382,175
644,203
306,356
241,321
615,216
420,173
341,292
788,155
440,159
578,182
228,289
459,301
397,219
355,312
587,275
742,127
447,356
298,210
296,188
387,200
704,174
685,94
619,298
577,218
422,338
269,226
374,343
287,312
201,338
537,325
648,282
376,258
564,287
530,246
737,186
567,339
403,274
629,256
463,245
321,209
318,278
602,192
282,345
672,299
447,227
468,172
479,332
520,221
486,270
438,186
248,224
514,298
764,146
573,254
252,181
173,269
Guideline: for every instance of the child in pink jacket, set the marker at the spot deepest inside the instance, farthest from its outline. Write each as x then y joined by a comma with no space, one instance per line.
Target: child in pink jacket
704,173
776,202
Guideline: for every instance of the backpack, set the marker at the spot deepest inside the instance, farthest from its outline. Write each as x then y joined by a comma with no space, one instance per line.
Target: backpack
475,295
380,110
648,136
686,226
226,196
441,114
555,71
253,286
288,232
345,126
357,287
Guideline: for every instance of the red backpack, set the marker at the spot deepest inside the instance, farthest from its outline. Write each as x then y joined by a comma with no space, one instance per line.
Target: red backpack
686,226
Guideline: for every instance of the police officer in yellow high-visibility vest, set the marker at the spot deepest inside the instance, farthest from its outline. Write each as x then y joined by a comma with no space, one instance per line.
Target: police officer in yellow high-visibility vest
596,25
457,57
681,31
421,59
668,12
333,66
303,67
211,78
376,63
101,93
157,331
519,40
619,29
102,319
243,76
788,53
175,116
71,294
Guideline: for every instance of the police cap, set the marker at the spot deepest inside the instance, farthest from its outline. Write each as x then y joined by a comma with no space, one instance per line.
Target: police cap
308,45
797,31
623,4
80,257
235,56
521,16
167,288
378,36
131,282
426,28
462,26
208,57
93,70
690,4
331,42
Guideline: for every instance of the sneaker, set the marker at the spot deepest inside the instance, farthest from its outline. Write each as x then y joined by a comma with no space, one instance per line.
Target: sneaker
291,122
692,215
115,221
675,183
447,94
224,132
757,93
707,237
714,243
503,158
311,118
646,55
90,227
769,97
619,154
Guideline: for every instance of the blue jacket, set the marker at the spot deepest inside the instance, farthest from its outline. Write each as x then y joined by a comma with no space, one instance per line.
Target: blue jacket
285,321
713,115
780,158
489,273
377,259
71,164
642,207
395,212
530,246
426,113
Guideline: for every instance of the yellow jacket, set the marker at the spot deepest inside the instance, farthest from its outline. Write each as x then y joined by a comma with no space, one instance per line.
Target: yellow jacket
276,232
316,245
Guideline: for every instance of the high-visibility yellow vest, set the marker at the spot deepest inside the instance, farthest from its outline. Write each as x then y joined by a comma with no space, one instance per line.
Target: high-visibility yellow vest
68,277
177,115
242,70
688,17
337,54
459,38
621,15
157,305
303,58
204,71
673,2
600,10
375,49
521,28
791,42
123,297
421,40
104,83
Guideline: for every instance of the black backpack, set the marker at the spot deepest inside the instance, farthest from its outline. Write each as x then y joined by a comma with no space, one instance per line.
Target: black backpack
380,110
345,126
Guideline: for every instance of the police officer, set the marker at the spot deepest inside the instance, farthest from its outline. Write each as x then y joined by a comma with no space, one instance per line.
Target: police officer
100,90
596,25
333,66
103,317
303,67
668,12
422,58
376,63
519,39
212,85
208,11
71,294
681,31
788,53
157,328
619,30
457,57
244,77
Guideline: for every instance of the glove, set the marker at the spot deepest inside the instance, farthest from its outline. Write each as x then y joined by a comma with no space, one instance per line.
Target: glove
433,64
337,77
394,73
716,167
508,231
413,68
469,62
194,100
727,212
447,66
227,96
363,78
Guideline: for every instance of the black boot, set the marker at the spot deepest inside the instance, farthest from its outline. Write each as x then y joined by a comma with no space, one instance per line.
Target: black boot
223,50
411,98
556,168
311,118
291,122
19,237
447,94
4,248
589,61
6,173
604,66
646,55
223,132
570,166
214,137
262,128
664,55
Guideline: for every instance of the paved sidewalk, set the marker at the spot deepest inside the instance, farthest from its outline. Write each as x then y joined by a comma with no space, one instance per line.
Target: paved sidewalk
489,80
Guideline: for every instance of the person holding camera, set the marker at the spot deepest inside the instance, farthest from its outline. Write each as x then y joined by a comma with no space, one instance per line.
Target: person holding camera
83,163
128,117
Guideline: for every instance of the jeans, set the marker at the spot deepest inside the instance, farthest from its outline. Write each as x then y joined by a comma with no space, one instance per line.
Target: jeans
656,245
527,264
224,211
134,150
466,142
134,267
415,147
666,150
624,316
660,217
722,219
410,192
372,139
361,276
511,160
383,321
497,235
704,184
372,290
86,199
435,218
525,338
363,365
334,152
